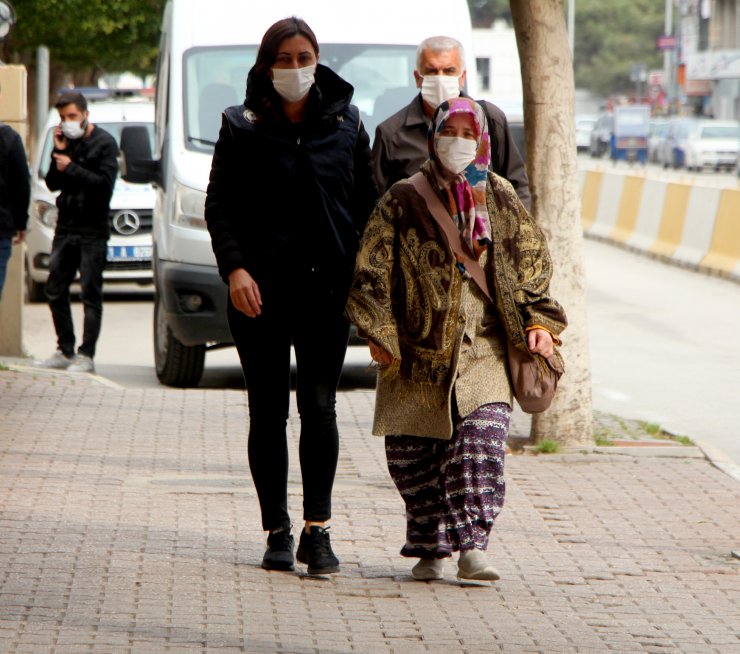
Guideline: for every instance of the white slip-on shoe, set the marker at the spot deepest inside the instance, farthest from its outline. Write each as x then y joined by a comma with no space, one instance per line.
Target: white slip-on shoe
474,564
82,363
428,569
57,361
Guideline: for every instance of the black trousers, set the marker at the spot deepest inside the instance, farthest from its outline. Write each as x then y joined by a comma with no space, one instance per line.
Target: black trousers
309,317
70,253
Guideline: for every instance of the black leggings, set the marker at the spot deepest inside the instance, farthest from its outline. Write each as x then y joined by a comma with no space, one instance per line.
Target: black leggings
319,335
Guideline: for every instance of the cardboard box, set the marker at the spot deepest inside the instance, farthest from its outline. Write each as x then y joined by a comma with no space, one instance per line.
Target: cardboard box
21,128
13,98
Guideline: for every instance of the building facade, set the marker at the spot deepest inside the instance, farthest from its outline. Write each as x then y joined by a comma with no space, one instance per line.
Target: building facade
710,56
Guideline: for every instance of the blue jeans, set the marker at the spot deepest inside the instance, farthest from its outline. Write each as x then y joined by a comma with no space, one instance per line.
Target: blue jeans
6,249
70,253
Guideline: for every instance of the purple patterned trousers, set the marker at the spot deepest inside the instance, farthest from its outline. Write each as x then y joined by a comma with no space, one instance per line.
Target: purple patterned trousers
453,489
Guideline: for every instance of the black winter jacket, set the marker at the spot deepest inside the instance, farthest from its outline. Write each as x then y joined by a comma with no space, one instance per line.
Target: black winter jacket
86,184
284,198
15,187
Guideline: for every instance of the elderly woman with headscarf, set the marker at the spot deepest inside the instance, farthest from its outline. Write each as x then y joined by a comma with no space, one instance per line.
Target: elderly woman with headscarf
444,395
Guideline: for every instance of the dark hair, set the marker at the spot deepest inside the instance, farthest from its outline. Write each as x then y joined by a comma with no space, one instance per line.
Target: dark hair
275,35
260,92
72,97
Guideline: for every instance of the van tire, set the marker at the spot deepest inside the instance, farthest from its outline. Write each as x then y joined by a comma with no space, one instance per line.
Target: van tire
176,364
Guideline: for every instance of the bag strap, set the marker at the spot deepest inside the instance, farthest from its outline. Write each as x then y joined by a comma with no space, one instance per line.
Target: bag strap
450,230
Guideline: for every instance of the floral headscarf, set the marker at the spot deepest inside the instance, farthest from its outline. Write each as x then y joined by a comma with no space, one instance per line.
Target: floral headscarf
465,193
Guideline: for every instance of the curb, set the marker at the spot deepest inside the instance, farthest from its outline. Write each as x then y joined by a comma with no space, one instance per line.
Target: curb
719,459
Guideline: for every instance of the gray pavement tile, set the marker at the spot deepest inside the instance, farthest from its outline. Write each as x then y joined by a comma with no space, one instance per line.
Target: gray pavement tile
138,531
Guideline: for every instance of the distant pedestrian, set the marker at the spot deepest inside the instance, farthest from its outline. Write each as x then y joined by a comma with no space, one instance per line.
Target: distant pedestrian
444,393
15,192
290,191
83,168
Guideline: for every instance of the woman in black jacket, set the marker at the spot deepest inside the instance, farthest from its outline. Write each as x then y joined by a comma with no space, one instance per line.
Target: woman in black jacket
291,188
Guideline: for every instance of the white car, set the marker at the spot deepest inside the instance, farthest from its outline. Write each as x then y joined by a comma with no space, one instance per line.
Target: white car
130,244
713,144
585,124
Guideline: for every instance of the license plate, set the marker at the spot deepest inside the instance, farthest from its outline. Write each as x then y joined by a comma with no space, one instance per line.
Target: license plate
129,253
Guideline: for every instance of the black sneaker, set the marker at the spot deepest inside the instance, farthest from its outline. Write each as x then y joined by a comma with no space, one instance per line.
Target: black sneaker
279,552
315,550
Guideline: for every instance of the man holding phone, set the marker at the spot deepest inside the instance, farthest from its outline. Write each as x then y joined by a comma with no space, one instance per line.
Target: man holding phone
83,168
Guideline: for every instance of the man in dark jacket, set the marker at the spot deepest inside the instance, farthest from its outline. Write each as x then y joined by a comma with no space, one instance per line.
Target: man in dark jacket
400,145
15,191
83,167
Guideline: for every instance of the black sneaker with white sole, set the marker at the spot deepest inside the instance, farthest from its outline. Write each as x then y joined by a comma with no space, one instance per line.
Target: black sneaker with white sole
279,552
314,549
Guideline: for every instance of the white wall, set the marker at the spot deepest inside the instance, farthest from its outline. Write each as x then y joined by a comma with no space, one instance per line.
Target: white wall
498,44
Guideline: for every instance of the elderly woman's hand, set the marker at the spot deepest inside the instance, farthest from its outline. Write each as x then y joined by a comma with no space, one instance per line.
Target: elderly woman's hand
539,341
380,355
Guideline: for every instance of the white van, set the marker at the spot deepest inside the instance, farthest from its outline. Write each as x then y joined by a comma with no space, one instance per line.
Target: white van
206,51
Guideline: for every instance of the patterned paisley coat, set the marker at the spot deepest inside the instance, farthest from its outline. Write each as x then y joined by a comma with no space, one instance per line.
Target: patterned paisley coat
410,298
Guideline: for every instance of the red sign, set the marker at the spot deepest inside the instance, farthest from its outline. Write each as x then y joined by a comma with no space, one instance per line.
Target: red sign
666,43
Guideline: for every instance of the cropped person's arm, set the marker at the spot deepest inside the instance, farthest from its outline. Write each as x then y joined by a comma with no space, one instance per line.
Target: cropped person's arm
365,194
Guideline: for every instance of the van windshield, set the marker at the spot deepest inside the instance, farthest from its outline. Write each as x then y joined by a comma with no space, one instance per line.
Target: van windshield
215,78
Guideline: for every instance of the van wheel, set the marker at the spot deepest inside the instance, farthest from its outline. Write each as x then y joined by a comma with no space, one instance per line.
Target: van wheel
35,291
176,364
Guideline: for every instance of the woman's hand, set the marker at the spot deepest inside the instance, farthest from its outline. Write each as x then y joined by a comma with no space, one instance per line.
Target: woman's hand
244,293
539,341
380,355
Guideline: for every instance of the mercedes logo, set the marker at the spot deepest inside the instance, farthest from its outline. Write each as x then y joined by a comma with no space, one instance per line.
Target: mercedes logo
127,222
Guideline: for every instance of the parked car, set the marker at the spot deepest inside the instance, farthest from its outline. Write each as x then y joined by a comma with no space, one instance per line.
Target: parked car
584,126
713,144
656,133
130,244
673,145
601,135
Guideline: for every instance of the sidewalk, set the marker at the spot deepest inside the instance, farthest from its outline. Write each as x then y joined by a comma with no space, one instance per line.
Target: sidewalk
129,524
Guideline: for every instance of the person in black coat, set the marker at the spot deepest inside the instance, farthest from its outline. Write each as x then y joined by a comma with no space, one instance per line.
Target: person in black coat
290,191
84,166
15,193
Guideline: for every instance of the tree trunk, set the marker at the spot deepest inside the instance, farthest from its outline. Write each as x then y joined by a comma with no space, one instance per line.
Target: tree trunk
549,98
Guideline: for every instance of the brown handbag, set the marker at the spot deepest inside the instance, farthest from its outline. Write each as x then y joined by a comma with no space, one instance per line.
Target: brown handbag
534,379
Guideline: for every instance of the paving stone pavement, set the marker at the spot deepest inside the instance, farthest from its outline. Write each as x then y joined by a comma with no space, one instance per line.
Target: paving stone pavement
129,524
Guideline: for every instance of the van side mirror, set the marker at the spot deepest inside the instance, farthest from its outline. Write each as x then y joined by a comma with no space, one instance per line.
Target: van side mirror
137,165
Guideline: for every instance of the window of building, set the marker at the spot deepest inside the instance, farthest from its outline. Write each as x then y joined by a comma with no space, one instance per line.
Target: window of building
483,67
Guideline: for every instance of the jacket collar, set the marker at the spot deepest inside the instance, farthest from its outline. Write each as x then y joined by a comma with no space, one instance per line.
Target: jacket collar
415,115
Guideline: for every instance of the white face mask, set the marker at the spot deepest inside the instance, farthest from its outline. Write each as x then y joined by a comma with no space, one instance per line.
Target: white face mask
73,129
456,153
435,89
293,84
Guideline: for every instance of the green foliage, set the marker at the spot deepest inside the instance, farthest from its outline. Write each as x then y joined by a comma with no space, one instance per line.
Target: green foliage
651,428
484,12
104,35
546,446
610,37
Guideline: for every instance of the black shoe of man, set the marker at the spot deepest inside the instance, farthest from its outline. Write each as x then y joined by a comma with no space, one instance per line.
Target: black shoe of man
314,549
279,552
